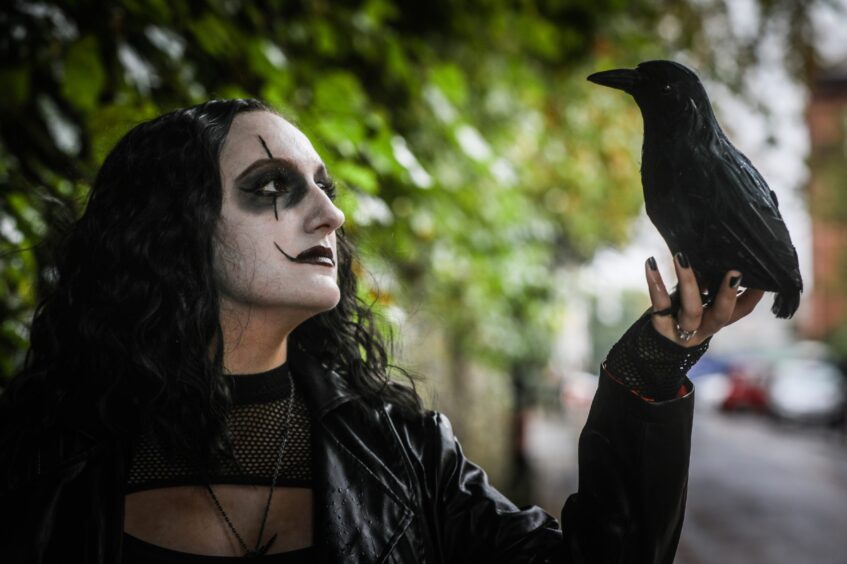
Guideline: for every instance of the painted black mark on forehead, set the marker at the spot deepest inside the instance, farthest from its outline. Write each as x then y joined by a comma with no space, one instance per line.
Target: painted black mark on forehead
265,145
271,157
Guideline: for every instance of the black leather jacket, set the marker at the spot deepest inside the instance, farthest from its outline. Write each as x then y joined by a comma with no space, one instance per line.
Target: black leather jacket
390,489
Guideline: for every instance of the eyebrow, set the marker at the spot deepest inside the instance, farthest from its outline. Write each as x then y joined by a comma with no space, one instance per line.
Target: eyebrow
261,163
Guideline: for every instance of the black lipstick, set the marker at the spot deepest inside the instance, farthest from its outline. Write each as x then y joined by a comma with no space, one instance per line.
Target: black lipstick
313,255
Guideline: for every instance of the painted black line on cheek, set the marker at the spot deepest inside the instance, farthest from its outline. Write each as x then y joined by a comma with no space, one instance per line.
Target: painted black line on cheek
265,145
289,257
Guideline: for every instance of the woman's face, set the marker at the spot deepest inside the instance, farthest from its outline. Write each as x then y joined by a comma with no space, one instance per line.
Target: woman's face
277,205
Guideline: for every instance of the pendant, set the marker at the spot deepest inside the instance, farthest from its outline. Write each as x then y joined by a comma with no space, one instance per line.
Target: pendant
261,550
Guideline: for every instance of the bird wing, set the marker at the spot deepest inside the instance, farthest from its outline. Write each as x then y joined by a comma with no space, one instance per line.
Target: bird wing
749,219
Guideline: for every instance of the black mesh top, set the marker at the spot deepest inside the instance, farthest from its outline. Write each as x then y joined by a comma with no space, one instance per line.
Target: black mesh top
255,423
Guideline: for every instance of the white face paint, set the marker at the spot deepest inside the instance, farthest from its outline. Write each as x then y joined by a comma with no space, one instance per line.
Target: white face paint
265,155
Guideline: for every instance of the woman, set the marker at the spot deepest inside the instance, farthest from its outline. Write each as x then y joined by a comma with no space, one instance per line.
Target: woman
203,382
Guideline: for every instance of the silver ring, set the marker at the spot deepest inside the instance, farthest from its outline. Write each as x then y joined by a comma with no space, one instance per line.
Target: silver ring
684,335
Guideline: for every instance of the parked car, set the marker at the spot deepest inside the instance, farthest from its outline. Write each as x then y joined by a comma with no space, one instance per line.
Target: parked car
711,380
806,390
747,389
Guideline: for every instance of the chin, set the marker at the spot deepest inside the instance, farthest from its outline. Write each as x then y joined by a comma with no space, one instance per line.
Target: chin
323,302
330,304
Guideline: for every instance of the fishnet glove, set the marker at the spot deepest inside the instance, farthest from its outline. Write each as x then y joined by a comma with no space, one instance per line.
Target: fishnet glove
650,364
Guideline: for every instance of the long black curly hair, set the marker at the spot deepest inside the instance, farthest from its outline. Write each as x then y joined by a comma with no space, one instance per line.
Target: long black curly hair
129,330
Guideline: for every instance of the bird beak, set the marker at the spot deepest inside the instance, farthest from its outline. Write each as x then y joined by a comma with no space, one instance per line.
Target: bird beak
622,79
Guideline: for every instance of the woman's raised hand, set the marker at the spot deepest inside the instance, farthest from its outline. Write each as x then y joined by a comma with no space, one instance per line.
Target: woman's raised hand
693,319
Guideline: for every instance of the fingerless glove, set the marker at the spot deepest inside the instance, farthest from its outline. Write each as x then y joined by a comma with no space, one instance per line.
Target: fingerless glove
650,364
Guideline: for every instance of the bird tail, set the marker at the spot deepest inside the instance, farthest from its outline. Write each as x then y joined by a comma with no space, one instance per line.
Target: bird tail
786,302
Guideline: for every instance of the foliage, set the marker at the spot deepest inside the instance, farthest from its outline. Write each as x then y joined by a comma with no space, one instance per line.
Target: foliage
476,157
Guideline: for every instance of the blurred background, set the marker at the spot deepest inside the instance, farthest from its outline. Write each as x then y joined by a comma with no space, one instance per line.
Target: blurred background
495,197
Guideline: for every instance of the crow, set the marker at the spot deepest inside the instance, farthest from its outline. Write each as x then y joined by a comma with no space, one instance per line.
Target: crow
703,195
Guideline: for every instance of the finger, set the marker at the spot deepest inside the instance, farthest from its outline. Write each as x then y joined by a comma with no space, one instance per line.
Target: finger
720,312
658,296
658,293
746,303
691,312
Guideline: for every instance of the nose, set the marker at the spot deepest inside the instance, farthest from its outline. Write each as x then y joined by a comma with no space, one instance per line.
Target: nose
325,215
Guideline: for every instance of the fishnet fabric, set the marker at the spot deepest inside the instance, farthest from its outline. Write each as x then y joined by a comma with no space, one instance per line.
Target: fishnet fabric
256,428
649,363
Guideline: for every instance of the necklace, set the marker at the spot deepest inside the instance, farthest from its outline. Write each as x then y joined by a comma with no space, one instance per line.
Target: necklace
261,550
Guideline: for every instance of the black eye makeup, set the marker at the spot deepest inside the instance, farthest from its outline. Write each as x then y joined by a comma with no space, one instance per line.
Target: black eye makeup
274,181
277,177
327,184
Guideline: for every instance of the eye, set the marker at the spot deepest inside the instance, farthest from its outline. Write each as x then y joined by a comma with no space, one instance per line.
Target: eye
274,187
271,184
666,89
327,186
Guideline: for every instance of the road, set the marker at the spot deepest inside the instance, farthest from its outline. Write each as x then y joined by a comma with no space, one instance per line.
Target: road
759,492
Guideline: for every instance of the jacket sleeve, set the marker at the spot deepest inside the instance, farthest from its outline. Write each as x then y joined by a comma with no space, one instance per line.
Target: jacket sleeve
30,517
633,478
52,507
633,473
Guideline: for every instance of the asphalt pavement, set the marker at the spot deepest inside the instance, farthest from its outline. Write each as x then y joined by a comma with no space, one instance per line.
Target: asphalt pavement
759,491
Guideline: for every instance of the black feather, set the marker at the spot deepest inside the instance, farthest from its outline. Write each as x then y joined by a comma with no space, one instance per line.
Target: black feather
703,195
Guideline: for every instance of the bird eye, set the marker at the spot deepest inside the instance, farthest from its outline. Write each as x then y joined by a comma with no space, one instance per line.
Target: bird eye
666,89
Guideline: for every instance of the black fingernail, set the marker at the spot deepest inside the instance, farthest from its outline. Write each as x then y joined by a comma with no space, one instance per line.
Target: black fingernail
683,262
735,281
652,263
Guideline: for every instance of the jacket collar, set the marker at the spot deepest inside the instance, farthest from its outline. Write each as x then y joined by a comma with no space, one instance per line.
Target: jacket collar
325,389
363,494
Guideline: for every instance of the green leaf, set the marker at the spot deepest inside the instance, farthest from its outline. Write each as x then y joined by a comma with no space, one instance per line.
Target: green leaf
357,175
112,122
450,79
83,76
214,35
15,90
339,93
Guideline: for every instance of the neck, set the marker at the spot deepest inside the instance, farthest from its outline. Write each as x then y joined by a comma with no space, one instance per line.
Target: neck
255,340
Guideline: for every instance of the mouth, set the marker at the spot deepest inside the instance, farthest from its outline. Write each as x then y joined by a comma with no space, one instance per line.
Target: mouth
318,254
620,79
